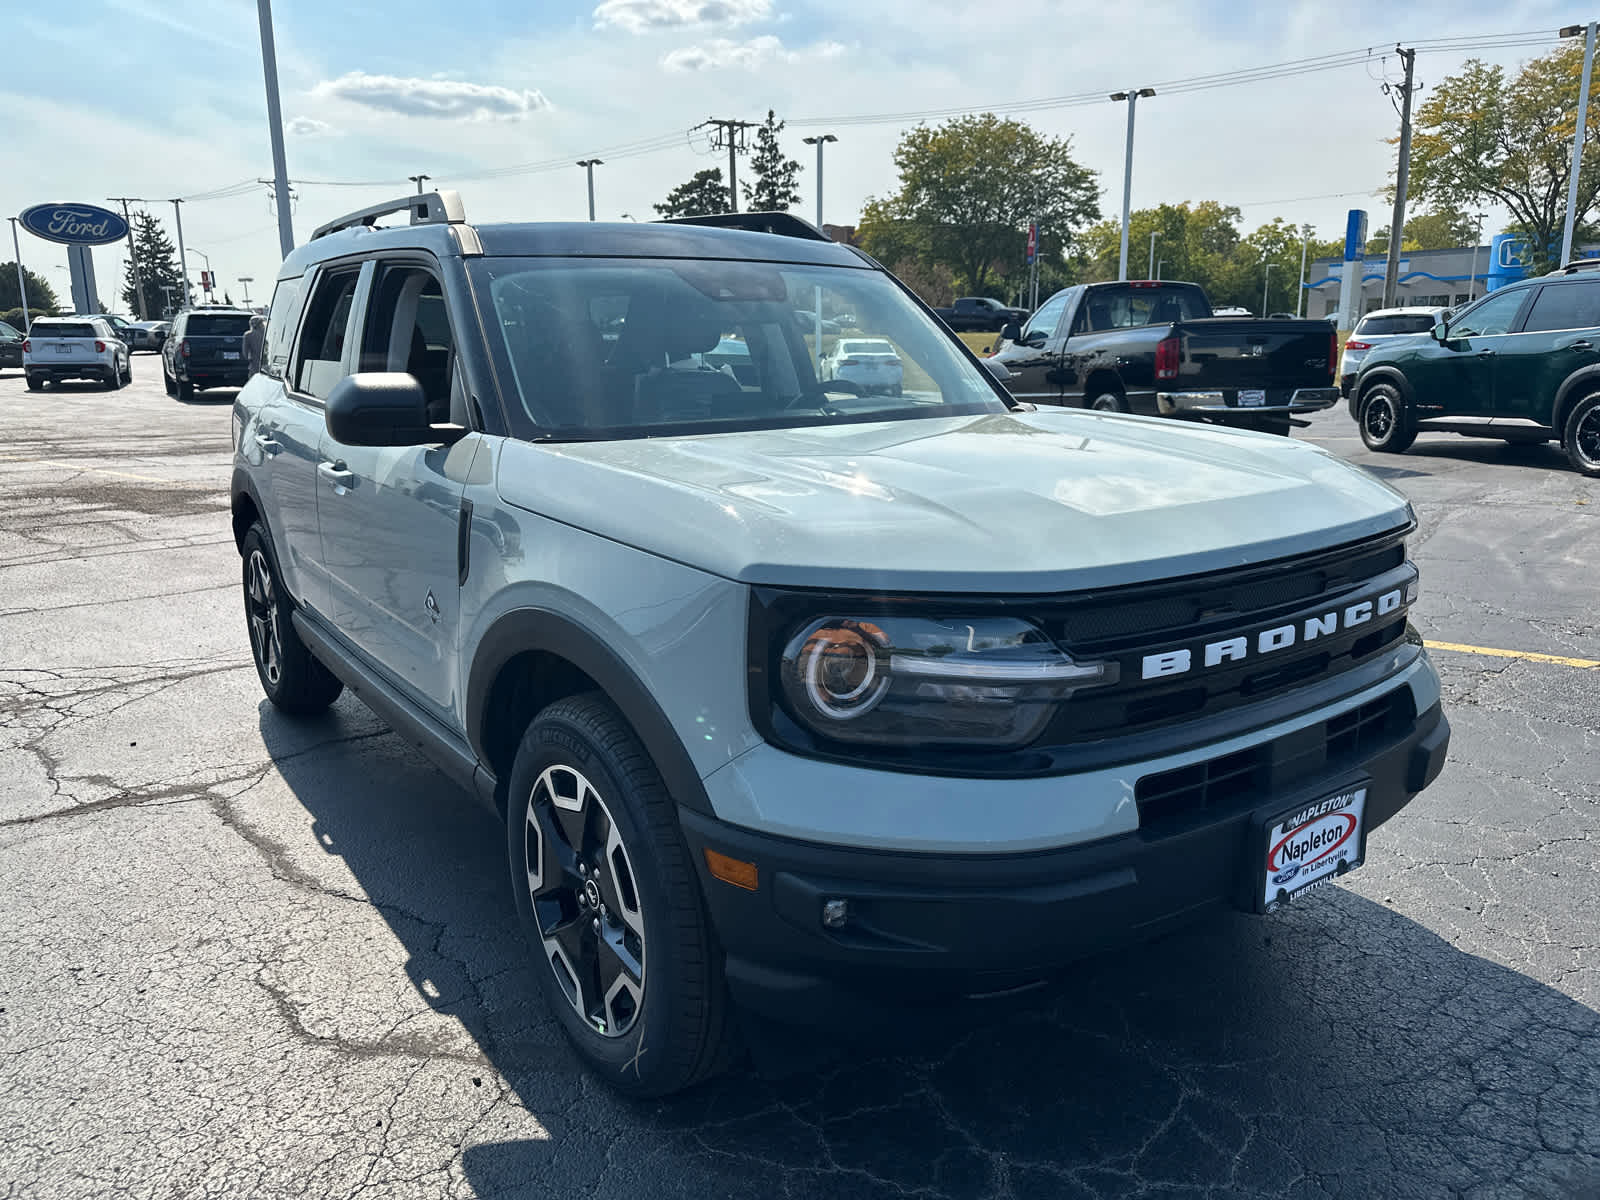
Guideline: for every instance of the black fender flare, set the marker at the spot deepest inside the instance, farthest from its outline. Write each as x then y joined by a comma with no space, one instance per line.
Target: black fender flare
1382,374
534,629
243,485
1580,383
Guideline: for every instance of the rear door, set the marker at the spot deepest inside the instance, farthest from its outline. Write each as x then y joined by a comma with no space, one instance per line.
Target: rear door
1034,360
1559,335
391,515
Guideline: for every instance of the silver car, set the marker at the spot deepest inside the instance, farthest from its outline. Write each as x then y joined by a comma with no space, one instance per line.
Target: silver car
872,364
1379,326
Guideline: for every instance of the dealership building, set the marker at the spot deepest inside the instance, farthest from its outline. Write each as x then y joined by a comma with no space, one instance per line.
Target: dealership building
1428,278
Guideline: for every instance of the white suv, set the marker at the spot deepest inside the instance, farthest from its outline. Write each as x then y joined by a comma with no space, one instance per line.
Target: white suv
58,348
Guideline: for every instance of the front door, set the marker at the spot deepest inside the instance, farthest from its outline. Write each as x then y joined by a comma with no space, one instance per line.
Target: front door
1456,377
1035,359
391,515
1560,335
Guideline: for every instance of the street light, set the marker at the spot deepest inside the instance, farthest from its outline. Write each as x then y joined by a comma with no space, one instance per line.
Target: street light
419,180
1588,32
821,140
1477,240
1267,277
589,164
1132,96
1152,254
210,274
247,280
22,280
630,217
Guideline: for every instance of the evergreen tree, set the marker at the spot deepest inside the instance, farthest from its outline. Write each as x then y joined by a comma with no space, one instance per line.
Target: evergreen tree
774,189
158,262
703,195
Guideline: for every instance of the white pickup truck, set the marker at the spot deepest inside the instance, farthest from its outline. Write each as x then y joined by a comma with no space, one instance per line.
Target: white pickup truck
60,348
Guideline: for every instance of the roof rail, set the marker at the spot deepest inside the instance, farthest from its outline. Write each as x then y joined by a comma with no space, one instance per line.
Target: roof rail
1581,264
426,208
784,224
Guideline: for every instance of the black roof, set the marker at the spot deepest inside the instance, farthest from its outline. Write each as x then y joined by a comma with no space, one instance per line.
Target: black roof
627,239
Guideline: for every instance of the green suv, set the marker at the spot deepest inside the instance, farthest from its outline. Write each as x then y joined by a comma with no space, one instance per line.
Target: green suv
1521,365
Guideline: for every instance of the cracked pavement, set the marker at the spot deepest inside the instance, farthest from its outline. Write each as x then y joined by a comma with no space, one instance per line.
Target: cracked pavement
247,956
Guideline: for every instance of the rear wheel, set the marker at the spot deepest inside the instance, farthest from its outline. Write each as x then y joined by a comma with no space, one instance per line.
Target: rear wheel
610,903
35,384
1581,438
114,380
167,381
1110,401
185,390
127,371
294,681
1387,425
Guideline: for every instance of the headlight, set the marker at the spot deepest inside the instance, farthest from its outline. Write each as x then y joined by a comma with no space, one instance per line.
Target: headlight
900,681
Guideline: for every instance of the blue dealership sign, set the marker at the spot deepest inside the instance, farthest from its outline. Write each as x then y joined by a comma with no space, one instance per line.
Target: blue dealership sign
74,224
1355,236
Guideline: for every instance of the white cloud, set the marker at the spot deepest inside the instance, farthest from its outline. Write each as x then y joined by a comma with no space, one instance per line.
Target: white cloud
641,16
757,52
446,98
307,127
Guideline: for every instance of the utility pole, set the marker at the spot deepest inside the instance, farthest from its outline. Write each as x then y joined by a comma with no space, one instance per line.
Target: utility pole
280,168
419,180
1577,138
1397,223
819,141
1472,279
1132,96
1266,286
133,257
729,135
22,280
183,258
1300,294
1152,274
589,164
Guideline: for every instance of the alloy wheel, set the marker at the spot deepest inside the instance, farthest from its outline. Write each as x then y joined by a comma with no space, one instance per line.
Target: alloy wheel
1586,438
262,601
585,900
1379,417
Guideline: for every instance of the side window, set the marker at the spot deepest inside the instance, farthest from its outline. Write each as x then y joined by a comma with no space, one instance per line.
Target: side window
1048,316
1494,316
318,360
408,329
1565,306
283,316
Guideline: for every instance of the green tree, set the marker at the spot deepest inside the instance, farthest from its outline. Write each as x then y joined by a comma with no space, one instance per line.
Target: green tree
41,296
1194,243
775,186
704,194
968,189
1479,138
158,263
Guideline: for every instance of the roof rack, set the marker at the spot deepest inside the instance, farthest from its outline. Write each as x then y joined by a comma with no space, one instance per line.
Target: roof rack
1581,264
784,224
426,208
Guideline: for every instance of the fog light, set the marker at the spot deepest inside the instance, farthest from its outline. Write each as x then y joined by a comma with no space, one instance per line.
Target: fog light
1411,592
835,913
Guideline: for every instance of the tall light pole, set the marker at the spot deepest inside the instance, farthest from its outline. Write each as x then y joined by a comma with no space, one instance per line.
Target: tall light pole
210,274
1132,97
1588,32
821,140
1152,274
247,280
419,180
1472,278
280,168
589,164
1160,262
22,280
1300,294
1266,285
183,259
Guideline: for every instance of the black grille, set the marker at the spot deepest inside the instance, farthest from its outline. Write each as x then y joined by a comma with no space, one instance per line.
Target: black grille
1203,791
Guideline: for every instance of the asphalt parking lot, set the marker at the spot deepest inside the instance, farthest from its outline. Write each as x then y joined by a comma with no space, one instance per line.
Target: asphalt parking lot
242,956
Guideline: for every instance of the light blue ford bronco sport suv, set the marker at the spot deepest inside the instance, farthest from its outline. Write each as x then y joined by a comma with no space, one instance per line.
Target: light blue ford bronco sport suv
791,696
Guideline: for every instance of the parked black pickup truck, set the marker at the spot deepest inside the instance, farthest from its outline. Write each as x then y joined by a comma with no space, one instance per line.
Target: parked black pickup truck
979,314
1153,347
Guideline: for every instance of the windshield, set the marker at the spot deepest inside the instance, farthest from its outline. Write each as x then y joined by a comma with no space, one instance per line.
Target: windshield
608,348
216,325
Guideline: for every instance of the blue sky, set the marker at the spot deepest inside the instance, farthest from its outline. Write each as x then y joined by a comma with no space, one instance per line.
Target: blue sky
170,101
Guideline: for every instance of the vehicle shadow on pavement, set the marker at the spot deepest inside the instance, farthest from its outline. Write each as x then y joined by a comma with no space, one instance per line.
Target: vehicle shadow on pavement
1337,1048
211,397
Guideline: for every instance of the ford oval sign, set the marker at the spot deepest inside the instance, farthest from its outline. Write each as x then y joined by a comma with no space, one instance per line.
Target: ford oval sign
74,224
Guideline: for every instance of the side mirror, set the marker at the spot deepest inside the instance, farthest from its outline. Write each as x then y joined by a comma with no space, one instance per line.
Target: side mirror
1441,332
996,368
1011,332
384,408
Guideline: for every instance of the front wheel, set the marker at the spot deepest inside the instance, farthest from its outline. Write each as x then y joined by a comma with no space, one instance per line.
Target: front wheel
1387,425
294,681
610,904
1581,437
1110,402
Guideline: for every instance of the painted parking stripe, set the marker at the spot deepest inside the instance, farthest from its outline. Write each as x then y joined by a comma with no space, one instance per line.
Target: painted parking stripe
1560,660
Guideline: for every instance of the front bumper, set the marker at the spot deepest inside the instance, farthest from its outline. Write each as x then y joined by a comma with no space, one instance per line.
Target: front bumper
1225,402
932,929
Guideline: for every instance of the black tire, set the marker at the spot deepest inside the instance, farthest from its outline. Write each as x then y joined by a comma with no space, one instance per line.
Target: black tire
127,372
35,385
167,380
1580,437
662,1023
294,681
1108,400
114,380
185,391
1385,419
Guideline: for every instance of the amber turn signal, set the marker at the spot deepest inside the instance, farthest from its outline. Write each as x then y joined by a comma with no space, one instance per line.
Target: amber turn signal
732,870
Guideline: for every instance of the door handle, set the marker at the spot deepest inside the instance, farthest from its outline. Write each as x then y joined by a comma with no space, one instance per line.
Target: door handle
267,444
337,473
1485,353
1580,345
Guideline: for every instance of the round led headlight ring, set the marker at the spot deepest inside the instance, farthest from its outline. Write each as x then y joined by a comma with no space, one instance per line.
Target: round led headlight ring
842,668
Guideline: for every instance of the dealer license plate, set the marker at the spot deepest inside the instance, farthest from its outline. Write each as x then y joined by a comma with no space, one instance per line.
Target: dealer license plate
1312,843
61,349
1252,398
230,354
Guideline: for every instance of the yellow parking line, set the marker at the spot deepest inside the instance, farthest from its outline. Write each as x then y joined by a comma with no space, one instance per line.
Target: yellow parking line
1560,660
65,466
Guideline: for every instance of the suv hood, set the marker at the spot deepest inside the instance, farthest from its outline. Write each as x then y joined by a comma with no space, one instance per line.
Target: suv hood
1014,502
